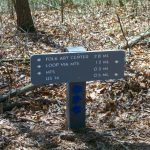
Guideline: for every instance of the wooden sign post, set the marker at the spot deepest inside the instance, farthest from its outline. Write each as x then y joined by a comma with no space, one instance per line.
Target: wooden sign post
76,66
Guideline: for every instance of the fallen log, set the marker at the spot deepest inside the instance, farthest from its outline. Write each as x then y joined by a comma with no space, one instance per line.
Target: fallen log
135,40
22,60
15,92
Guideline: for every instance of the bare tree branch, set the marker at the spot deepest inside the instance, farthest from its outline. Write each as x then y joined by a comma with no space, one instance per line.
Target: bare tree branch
123,32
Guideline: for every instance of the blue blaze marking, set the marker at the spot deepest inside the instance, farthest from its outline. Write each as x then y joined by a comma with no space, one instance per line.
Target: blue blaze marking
77,88
76,109
76,99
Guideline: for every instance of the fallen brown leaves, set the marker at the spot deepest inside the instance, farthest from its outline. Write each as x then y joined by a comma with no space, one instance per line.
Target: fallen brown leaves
117,112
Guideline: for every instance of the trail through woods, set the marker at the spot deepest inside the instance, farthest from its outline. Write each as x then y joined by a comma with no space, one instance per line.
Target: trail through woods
117,112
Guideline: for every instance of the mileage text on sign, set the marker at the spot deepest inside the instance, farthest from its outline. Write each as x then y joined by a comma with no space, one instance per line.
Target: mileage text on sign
77,67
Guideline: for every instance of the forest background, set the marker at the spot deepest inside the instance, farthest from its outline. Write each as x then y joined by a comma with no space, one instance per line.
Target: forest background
117,112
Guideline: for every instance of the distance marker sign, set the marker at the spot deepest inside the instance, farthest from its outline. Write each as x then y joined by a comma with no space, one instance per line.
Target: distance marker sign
77,67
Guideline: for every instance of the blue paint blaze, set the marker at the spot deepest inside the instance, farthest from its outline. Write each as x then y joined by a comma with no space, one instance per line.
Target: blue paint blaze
76,99
77,89
76,109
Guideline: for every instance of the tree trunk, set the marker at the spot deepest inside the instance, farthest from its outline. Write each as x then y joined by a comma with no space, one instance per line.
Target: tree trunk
24,18
11,8
121,3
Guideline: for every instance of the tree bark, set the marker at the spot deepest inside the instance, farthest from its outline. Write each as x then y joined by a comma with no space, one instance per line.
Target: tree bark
24,18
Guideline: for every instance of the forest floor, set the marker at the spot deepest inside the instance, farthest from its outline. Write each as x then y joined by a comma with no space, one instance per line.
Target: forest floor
117,112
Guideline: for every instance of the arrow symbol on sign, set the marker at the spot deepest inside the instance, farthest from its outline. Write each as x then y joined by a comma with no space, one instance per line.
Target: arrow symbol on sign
39,73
